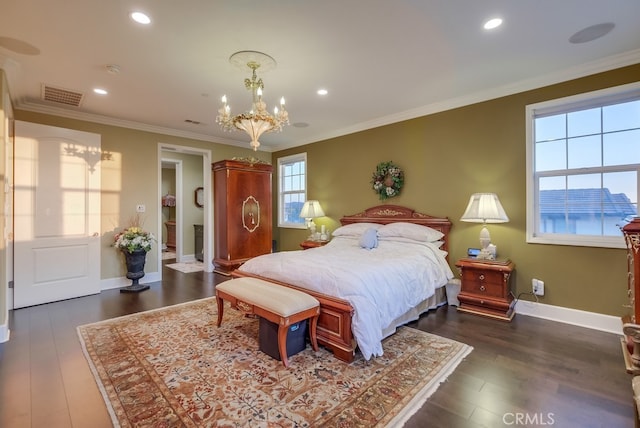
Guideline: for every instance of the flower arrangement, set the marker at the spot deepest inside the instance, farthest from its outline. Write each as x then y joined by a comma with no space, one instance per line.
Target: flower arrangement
134,238
387,180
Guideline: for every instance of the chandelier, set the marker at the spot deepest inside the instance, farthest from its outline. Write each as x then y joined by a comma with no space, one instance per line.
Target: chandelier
258,120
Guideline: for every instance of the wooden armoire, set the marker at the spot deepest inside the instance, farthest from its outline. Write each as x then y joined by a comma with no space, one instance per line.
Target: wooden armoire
243,215
631,322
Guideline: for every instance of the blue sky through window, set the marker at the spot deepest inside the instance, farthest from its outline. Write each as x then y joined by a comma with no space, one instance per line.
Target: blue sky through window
606,136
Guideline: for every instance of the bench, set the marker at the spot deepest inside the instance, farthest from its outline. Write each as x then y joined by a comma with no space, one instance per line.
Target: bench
281,305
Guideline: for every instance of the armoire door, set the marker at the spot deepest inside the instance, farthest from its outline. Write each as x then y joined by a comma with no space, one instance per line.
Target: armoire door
242,193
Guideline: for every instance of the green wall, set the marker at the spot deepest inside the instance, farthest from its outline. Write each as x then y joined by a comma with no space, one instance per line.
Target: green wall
446,157
450,155
131,178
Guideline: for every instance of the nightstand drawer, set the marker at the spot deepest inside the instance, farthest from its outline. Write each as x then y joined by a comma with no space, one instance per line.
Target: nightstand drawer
502,305
483,283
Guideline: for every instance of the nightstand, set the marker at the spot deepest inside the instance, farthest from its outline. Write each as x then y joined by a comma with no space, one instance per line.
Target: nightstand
485,288
312,244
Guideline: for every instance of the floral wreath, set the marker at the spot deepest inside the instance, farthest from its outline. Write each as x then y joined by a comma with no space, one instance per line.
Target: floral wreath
387,180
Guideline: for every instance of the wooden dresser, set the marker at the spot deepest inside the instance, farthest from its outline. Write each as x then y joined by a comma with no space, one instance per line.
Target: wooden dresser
486,288
171,234
242,206
631,322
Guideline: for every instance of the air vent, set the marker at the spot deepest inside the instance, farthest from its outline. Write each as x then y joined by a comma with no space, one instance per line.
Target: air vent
62,96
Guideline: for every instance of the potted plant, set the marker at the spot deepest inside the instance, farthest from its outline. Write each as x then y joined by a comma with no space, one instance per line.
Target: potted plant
134,242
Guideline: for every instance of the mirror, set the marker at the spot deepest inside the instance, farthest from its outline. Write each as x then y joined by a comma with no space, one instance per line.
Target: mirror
199,197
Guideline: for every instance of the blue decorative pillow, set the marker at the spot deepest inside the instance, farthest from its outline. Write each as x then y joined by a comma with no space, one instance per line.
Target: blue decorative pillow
369,239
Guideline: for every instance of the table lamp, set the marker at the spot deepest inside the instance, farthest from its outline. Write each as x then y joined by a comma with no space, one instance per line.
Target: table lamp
310,210
485,208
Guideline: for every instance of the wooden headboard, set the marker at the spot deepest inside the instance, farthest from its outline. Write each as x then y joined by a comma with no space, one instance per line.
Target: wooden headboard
384,214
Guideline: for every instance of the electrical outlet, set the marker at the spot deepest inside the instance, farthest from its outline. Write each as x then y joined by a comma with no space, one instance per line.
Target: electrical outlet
537,286
140,208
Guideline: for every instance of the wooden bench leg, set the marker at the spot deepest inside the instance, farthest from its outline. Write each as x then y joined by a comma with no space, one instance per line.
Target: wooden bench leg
312,332
220,309
282,343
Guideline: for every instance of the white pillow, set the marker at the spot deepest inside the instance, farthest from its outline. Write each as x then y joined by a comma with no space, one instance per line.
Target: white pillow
411,231
434,244
355,229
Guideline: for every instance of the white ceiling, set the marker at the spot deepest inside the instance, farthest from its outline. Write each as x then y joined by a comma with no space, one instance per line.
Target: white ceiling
381,61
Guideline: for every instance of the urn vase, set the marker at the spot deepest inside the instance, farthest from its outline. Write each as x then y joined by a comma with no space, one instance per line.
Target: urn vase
135,270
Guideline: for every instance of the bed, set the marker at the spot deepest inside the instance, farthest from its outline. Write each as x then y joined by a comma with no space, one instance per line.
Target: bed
366,293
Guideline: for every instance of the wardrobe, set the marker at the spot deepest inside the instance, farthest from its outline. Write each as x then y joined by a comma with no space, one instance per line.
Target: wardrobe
631,321
242,210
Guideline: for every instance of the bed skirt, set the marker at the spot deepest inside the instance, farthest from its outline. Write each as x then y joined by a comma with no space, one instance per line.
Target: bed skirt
433,302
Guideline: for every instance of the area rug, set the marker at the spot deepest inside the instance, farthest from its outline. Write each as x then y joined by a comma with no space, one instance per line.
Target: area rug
187,267
172,367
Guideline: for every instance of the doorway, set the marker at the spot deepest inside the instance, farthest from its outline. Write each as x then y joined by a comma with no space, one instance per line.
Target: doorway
194,204
171,211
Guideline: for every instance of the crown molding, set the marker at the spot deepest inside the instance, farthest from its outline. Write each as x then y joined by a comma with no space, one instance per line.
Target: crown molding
35,107
594,67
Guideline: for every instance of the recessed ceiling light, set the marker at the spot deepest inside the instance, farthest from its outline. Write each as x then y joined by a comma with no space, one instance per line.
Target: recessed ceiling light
492,23
100,91
322,92
140,18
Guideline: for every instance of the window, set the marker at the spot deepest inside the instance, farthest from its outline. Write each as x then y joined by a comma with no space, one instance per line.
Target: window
583,167
292,190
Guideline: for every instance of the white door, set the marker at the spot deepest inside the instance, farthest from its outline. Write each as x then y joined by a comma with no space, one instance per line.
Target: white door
57,214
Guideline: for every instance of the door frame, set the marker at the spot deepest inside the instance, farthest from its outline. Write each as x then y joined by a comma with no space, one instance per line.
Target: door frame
207,239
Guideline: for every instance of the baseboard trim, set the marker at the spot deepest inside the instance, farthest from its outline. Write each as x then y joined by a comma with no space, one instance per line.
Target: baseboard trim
111,283
577,317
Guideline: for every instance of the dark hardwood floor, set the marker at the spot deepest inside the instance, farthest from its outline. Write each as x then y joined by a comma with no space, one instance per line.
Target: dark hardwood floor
530,372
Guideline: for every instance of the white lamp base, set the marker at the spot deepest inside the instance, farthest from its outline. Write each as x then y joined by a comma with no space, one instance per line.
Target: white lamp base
312,228
488,251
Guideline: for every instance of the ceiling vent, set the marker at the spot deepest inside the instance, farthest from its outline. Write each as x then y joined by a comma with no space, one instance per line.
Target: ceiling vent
61,96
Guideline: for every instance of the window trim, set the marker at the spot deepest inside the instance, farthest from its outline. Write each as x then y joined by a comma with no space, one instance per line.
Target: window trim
613,95
282,162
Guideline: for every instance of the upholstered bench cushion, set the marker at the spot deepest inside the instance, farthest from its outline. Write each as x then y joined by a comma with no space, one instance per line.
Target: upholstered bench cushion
275,298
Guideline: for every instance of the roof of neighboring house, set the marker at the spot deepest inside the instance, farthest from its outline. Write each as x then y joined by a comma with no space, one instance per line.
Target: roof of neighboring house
586,202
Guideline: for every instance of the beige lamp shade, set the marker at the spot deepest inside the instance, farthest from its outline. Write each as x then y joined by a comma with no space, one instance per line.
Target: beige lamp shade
485,208
311,209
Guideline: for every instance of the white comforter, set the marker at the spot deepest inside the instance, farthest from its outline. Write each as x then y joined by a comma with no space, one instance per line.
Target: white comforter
381,284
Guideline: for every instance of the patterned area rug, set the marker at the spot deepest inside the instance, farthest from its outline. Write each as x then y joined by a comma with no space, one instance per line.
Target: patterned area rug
172,367
187,267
